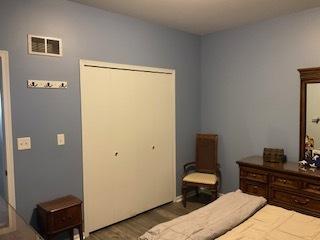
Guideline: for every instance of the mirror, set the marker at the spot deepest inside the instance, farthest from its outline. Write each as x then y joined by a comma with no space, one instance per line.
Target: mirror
309,112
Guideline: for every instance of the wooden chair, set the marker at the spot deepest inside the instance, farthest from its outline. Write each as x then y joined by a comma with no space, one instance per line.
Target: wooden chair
204,172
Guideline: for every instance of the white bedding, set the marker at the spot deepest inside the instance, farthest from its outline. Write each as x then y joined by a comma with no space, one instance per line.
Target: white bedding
208,222
275,223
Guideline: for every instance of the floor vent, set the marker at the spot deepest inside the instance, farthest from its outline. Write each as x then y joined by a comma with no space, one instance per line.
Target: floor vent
47,46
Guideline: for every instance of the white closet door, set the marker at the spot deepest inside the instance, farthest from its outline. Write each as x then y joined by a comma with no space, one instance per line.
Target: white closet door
108,141
145,124
163,140
96,105
123,188
128,143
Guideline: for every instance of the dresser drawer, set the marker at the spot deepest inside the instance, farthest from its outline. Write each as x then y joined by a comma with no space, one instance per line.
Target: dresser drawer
285,181
311,187
65,218
295,200
253,188
253,174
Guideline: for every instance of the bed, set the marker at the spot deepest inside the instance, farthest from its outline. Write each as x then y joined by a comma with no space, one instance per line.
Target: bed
276,223
238,216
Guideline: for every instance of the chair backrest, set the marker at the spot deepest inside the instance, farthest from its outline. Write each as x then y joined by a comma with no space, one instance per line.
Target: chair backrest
207,153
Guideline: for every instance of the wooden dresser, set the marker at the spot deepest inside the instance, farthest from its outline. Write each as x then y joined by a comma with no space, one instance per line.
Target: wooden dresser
282,184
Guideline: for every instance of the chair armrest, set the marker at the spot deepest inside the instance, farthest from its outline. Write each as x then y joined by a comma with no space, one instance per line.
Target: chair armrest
188,167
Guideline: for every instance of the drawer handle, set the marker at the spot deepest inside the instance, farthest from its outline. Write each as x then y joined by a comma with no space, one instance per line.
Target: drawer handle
253,175
255,189
315,187
301,202
283,181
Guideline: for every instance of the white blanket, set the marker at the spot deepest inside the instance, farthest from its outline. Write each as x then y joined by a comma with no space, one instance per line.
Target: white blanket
208,222
275,223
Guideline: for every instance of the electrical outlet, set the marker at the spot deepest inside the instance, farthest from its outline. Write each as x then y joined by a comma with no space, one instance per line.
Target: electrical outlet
24,143
60,139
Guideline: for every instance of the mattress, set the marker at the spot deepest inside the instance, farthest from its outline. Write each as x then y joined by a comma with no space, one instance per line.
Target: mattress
275,223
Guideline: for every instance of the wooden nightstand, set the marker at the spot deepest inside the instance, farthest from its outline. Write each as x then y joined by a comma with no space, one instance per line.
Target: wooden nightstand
62,214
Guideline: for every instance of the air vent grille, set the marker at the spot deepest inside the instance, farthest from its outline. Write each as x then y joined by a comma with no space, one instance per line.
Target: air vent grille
47,46
38,45
53,46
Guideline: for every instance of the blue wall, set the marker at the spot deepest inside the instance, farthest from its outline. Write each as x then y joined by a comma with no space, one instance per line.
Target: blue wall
249,89
48,171
250,86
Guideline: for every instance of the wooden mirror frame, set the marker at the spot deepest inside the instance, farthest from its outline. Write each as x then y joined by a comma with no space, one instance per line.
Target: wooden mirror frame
307,76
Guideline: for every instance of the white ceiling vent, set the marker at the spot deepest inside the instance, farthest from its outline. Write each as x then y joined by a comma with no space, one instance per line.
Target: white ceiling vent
47,46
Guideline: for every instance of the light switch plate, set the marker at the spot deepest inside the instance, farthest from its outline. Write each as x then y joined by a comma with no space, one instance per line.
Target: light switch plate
60,139
24,143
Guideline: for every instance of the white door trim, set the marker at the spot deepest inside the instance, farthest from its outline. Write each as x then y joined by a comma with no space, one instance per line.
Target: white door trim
8,127
86,63
8,141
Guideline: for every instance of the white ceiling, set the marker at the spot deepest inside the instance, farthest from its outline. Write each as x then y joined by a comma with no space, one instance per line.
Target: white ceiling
202,16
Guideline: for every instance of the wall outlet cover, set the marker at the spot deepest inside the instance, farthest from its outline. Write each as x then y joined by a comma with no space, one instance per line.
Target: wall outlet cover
24,143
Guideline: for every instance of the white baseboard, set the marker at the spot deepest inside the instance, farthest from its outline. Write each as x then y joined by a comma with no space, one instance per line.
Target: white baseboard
178,198
76,237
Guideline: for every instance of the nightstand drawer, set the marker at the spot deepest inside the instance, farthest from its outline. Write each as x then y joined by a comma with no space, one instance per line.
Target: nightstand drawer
253,188
65,219
253,174
285,181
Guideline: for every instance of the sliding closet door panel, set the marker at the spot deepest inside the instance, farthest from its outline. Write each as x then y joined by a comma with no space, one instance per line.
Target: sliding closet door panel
125,137
163,138
109,150
145,123
154,126
97,106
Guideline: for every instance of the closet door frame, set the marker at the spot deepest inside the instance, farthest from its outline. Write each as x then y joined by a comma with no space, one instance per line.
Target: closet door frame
91,63
4,55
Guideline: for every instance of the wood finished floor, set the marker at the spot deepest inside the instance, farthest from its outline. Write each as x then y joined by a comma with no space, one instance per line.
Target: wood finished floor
134,227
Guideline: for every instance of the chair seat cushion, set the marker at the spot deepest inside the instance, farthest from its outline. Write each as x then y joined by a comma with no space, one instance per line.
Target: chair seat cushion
204,178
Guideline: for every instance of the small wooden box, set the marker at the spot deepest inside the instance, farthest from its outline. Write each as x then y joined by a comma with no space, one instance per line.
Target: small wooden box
273,155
